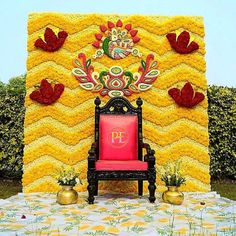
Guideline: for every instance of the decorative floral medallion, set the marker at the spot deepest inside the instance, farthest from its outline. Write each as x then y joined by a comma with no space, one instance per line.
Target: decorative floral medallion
115,82
116,41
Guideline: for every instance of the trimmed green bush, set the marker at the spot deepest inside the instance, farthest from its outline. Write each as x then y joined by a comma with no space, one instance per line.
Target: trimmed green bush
11,127
222,131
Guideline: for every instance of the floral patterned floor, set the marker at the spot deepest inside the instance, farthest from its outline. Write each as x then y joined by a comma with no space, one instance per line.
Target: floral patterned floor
116,214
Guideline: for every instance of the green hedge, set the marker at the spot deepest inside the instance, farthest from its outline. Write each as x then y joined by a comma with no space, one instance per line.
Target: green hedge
222,129
11,127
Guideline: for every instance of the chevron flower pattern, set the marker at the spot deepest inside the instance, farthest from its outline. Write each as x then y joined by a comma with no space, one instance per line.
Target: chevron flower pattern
61,133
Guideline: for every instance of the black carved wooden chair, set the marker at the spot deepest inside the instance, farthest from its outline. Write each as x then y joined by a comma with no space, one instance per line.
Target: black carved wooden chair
117,153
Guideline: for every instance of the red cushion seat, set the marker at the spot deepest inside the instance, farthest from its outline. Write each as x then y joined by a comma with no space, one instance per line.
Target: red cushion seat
120,165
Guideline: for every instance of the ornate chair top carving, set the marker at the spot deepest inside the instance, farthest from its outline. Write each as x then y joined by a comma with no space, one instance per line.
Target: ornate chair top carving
119,105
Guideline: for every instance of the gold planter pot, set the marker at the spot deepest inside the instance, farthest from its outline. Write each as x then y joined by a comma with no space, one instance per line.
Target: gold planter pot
173,196
67,195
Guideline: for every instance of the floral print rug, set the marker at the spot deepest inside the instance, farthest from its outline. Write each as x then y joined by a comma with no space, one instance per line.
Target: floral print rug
117,214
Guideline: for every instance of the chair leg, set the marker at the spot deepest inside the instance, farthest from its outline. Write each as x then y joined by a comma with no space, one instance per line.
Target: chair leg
91,187
152,185
96,188
140,187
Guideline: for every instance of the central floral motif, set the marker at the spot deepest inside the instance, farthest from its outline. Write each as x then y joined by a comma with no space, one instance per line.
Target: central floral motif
116,41
115,82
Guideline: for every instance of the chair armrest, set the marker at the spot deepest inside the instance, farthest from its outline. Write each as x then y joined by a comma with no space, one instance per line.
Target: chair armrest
149,157
92,156
150,152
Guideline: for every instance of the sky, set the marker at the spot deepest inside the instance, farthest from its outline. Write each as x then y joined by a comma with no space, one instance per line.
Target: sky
219,17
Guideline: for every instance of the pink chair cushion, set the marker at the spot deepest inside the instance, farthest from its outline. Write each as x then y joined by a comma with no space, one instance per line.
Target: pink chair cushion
118,136
121,165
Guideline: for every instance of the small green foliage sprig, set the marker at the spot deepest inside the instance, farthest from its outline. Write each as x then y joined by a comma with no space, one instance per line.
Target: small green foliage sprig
68,176
171,174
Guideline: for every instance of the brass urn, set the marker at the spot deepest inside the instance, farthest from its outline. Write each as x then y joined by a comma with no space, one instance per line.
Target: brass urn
67,195
173,196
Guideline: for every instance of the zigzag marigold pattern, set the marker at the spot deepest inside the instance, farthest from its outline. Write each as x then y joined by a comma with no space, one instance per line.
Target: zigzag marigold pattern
61,134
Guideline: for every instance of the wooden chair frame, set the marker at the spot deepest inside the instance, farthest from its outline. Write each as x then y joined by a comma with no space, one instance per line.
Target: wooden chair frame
118,106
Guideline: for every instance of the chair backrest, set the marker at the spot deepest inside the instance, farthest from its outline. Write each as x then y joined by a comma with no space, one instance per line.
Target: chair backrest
118,129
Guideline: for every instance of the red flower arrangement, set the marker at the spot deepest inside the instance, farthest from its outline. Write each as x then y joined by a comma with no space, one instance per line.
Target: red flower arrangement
186,97
46,93
52,41
181,44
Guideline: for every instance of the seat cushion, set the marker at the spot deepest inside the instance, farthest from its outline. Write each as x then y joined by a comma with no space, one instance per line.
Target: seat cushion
120,165
118,137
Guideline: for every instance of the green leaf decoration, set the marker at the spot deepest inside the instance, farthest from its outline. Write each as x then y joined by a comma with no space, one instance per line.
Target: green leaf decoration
88,63
154,64
152,73
116,70
97,88
105,46
144,87
115,93
127,92
131,78
78,72
87,86
77,62
104,92
103,73
143,64
134,88
84,80
148,80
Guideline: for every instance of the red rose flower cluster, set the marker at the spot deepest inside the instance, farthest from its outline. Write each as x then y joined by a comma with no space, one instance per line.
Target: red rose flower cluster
181,44
47,94
52,41
186,97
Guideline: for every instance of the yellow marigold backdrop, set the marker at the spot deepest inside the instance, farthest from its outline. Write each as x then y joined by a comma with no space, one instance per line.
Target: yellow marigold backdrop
63,132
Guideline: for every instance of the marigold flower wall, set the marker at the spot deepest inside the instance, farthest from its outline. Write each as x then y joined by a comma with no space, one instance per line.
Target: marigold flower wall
61,133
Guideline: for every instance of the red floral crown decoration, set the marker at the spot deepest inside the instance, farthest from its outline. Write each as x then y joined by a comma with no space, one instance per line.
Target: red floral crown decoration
116,41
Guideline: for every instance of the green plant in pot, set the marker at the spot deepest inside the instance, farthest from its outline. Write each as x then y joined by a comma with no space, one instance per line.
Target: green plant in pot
67,179
173,179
